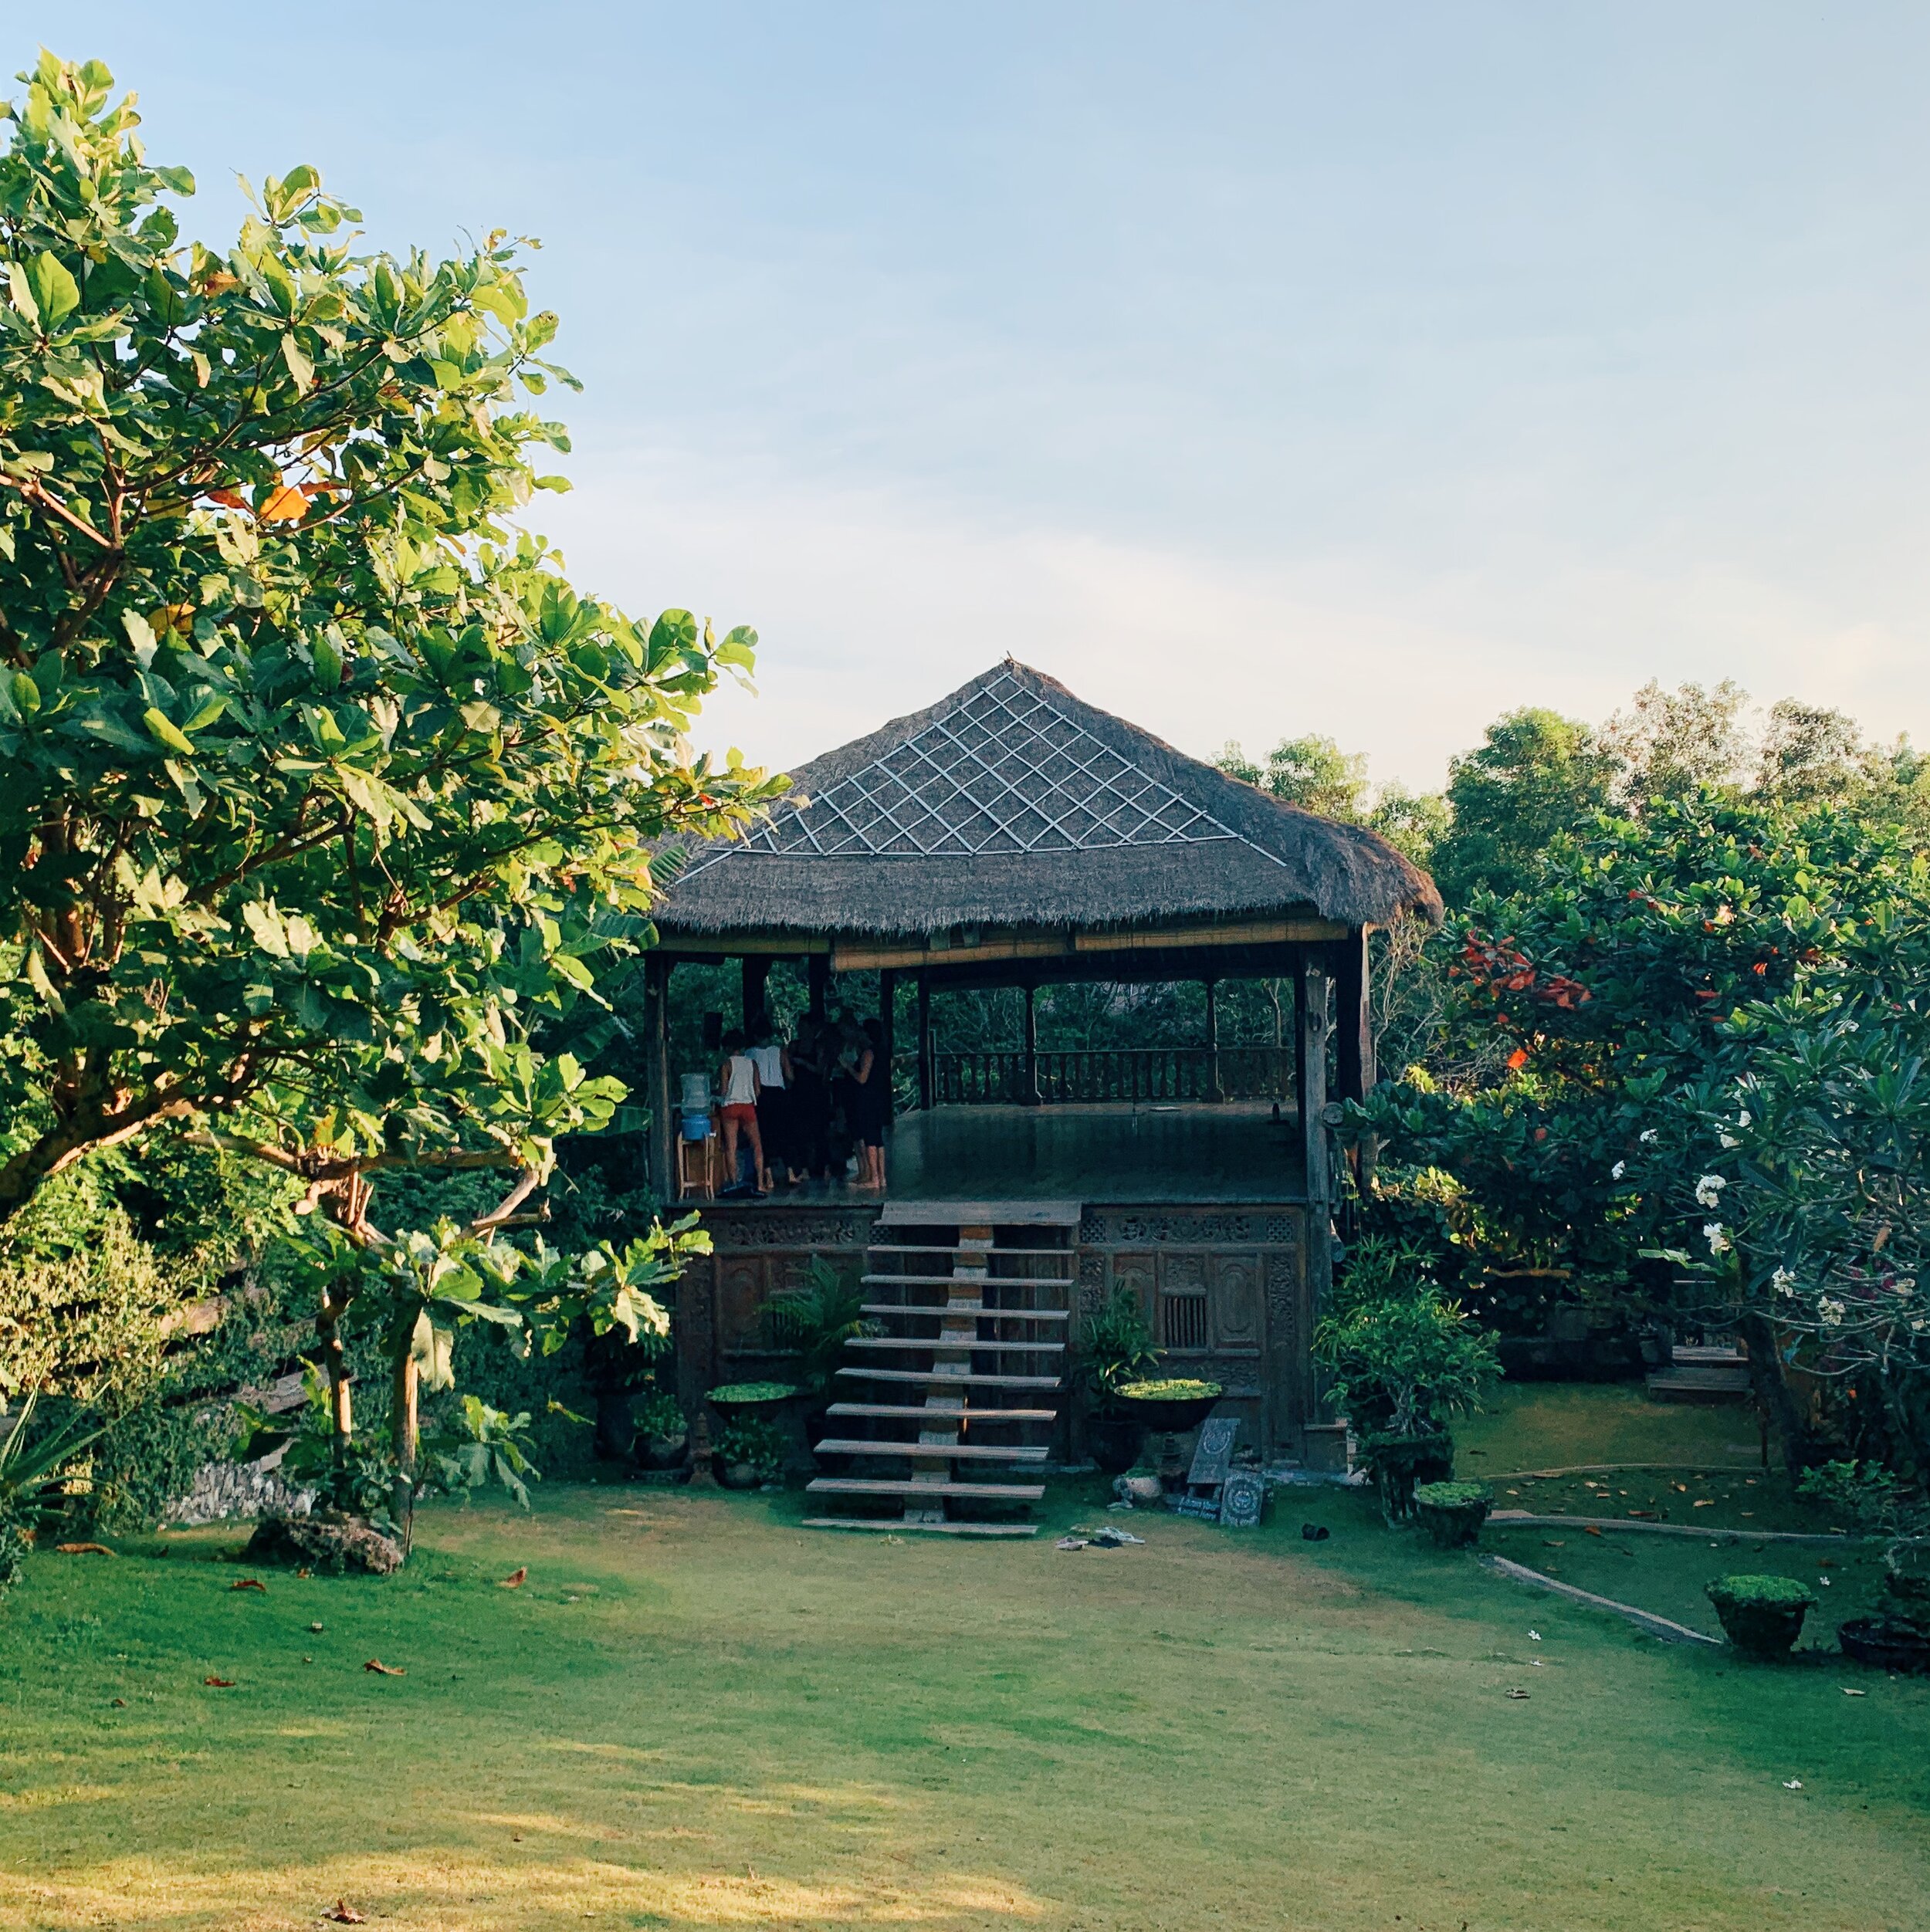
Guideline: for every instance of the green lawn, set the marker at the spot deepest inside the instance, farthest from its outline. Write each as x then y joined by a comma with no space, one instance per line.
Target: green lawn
697,1712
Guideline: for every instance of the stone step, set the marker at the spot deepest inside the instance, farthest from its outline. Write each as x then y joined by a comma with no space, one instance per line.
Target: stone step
950,1378
1700,1383
967,1308
907,1411
934,1451
960,1342
884,1486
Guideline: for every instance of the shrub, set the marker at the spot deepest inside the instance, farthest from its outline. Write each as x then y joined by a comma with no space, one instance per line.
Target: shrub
815,1321
661,1419
1115,1347
1406,1365
1453,1495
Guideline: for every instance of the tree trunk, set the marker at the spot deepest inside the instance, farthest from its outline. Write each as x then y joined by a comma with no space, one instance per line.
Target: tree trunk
1772,1394
404,1438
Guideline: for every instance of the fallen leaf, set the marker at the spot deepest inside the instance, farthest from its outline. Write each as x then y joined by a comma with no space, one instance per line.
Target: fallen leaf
1847,1691
120,1703
219,1684
1793,1783
1704,1502
304,1571
1517,1694
250,1583
344,1914
316,1628
384,1669
515,1580
1591,1529
83,1549
1554,1543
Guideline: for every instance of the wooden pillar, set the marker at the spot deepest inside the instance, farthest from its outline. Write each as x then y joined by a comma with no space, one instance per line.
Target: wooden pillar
888,1019
817,977
1028,1079
1324,1444
1216,1089
657,1098
1354,1036
756,973
925,1068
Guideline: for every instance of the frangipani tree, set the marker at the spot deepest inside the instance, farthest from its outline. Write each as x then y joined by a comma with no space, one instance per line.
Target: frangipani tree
323,791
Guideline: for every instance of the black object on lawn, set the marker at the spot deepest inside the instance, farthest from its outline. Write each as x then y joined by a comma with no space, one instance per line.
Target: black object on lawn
1315,1532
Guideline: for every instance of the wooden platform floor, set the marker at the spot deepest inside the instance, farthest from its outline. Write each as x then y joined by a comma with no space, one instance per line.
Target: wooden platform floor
1231,1153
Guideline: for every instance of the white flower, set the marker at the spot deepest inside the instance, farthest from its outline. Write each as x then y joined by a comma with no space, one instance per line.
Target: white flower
1783,1282
1743,1118
1647,1136
1616,1173
1905,1285
1712,1234
1709,1190
1830,1310
1916,1326
1728,1140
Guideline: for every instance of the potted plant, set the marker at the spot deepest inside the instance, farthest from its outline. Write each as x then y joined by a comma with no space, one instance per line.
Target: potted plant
1762,1615
1116,1347
1401,1359
663,1437
749,1452
1453,1513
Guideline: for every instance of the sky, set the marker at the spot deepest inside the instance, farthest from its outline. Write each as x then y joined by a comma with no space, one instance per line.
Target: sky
1256,371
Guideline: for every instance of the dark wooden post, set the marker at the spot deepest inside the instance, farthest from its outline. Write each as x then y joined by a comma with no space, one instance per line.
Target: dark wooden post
1215,1089
816,978
925,1068
1325,1442
1028,1087
888,1019
757,972
656,1077
1354,1035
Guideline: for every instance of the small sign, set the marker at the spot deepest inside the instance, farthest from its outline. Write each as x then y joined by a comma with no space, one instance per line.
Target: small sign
1214,1457
1243,1500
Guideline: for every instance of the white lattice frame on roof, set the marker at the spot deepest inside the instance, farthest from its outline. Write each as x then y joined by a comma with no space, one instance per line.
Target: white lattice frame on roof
988,761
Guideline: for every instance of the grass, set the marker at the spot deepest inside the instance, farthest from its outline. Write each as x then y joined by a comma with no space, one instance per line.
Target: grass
1530,1426
697,1712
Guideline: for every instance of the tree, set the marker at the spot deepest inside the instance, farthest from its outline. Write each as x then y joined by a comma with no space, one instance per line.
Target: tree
1538,774
325,792
1312,772
1674,743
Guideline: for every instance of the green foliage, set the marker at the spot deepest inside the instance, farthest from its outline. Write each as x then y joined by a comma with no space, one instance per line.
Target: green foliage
485,1445
1537,775
34,1462
89,1322
1411,1363
1765,1592
815,1321
1312,772
328,791
1868,1494
1453,1495
1115,1347
354,1473
662,1418
755,1440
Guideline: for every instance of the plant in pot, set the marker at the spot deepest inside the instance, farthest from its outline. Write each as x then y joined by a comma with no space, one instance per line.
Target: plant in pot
1453,1513
749,1452
1116,1347
1878,1500
814,1323
1401,1360
1762,1615
663,1436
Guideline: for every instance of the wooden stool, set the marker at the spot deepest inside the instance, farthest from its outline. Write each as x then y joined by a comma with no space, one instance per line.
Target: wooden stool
697,1165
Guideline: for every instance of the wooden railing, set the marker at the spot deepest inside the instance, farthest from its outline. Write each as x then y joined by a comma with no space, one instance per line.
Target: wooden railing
1009,1077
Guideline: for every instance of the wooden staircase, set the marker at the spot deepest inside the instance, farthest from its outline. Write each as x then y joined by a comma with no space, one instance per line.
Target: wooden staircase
976,1300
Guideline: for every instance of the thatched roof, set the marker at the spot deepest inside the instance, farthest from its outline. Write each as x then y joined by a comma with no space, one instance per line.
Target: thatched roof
1013,803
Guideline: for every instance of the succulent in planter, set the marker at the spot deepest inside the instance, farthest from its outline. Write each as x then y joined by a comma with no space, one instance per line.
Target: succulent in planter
1762,1615
1453,1513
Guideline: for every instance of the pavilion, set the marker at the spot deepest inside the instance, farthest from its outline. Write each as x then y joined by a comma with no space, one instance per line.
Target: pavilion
1012,835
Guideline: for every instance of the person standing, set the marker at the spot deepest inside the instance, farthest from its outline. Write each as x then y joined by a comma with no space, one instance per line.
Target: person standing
810,1100
737,1089
773,1059
871,1103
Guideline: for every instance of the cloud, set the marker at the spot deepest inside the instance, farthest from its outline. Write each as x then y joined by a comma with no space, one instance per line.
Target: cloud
874,603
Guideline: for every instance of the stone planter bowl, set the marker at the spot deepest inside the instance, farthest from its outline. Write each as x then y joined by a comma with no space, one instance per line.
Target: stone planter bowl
736,1400
735,1475
1886,1643
1762,1615
1114,1442
662,1451
1167,1415
1451,1515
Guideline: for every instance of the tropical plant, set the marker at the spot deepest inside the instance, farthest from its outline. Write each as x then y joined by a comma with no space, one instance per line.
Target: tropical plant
814,1322
481,1446
1406,1364
662,1418
754,1441
1115,1347
31,1471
